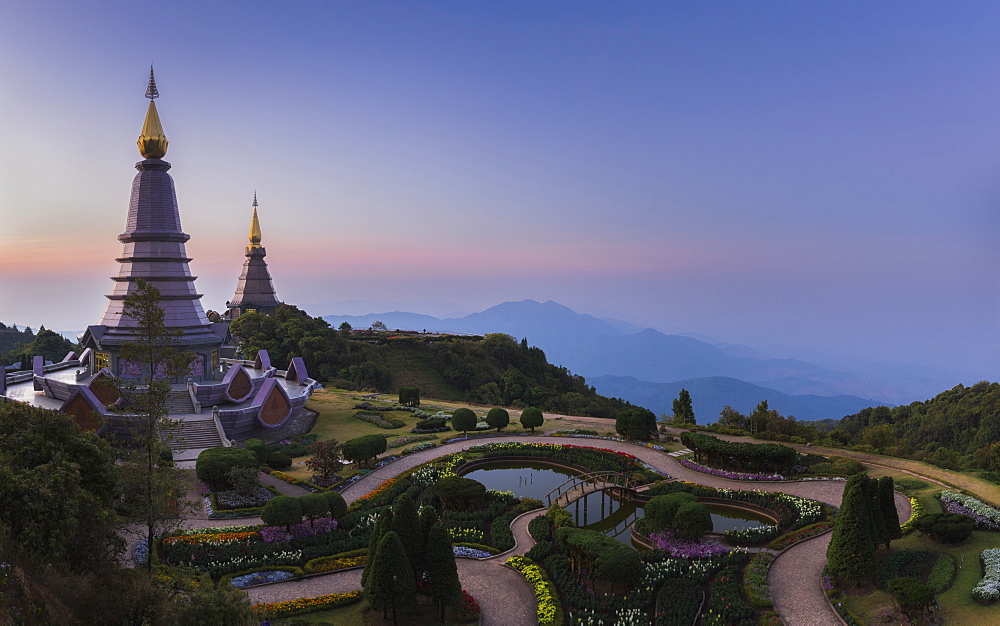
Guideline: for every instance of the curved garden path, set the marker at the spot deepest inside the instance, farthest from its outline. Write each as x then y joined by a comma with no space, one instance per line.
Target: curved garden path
505,596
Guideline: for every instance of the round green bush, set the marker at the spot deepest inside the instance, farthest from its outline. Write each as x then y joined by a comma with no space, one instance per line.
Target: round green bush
213,465
464,420
281,511
314,505
692,520
336,503
531,418
460,494
946,527
257,447
660,511
279,461
498,418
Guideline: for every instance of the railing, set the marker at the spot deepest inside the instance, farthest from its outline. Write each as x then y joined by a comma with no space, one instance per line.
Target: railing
600,480
226,443
194,397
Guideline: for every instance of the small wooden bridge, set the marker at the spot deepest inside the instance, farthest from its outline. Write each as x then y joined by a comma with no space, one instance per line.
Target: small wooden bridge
584,484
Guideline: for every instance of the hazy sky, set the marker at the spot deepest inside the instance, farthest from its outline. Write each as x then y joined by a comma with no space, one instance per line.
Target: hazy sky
802,177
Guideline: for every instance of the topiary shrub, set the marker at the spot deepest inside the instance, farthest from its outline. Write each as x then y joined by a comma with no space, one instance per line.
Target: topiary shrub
213,465
279,461
314,505
946,527
660,511
336,503
461,494
531,418
282,511
257,447
464,420
692,520
498,418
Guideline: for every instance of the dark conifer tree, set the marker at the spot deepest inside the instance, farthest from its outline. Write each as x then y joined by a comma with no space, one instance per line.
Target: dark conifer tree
382,525
406,524
887,502
390,584
851,552
442,572
880,533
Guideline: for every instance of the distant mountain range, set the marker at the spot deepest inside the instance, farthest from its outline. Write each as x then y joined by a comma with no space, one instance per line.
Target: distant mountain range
607,352
709,395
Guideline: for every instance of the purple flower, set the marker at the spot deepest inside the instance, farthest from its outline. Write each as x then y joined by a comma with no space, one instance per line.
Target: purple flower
276,534
727,474
680,547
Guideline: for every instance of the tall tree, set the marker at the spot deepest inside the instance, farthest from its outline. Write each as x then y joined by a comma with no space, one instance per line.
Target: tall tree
390,585
683,410
887,502
531,418
498,418
382,525
851,552
406,524
463,419
153,489
442,572
759,417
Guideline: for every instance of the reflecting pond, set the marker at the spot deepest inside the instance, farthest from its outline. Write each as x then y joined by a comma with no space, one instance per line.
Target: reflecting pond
601,511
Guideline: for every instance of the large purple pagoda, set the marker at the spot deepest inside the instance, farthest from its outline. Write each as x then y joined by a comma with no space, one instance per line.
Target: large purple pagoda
154,251
254,291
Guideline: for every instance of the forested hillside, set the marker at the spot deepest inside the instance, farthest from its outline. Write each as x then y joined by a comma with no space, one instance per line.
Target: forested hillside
494,369
959,428
16,344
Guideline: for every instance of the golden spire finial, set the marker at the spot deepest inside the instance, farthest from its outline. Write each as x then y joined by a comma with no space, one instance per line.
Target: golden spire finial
152,141
255,226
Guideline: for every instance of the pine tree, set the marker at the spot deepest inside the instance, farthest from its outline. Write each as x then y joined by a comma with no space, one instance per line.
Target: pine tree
851,552
880,533
442,572
390,584
382,525
406,524
887,502
427,517
683,410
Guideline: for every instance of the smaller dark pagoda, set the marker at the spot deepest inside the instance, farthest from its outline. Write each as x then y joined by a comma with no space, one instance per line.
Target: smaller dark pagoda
254,291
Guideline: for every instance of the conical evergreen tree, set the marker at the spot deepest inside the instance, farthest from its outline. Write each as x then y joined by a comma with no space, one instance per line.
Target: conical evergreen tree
442,572
887,502
406,524
427,517
391,584
879,533
382,525
851,552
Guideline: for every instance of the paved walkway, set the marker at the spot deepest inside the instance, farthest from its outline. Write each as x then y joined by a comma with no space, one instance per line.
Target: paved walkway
505,596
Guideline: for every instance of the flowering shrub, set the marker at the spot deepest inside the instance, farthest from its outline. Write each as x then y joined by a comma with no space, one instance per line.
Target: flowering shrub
801,534
259,578
988,589
213,539
470,552
468,609
755,580
427,445
549,610
691,465
986,516
214,530
405,441
725,605
334,564
236,500
680,547
376,491
306,605
141,552
752,536
459,533
275,534
916,510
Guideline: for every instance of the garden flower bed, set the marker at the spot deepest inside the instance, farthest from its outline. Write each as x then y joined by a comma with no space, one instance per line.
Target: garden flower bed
986,516
681,548
468,609
260,578
290,608
549,608
691,465
916,510
988,589
471,552
755,586
754,536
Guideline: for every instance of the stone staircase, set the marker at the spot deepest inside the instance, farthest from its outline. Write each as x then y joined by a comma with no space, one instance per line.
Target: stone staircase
179,403
194,435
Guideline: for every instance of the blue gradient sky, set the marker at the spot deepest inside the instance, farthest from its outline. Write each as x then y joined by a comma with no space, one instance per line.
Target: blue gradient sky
807,178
